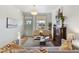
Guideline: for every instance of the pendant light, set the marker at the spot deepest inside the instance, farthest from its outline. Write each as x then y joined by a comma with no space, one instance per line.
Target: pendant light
34,11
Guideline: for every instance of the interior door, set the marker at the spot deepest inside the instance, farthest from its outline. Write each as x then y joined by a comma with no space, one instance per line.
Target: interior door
29,26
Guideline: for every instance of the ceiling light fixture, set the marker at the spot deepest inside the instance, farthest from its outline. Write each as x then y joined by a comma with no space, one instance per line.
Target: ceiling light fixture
34,11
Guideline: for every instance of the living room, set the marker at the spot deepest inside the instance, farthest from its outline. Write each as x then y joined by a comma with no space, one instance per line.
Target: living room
24,24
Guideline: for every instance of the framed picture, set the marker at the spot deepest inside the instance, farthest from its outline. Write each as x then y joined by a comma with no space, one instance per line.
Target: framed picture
11,23
41,24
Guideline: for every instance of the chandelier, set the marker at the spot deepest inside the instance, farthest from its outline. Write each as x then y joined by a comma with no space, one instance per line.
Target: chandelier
34,11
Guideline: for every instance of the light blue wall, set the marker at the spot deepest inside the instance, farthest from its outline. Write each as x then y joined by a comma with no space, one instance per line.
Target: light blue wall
9,34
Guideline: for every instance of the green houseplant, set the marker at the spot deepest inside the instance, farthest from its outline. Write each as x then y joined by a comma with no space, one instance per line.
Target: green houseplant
61,17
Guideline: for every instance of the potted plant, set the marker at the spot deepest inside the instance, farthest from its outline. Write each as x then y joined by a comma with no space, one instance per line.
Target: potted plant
61,17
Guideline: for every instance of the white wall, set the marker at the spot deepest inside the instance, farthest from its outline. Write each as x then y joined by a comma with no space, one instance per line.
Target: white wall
9,34
72,20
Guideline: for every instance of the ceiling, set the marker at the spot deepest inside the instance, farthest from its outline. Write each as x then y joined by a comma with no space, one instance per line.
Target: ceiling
69,10
38,8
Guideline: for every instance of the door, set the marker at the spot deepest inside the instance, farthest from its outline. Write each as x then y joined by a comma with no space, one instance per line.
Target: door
28,26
